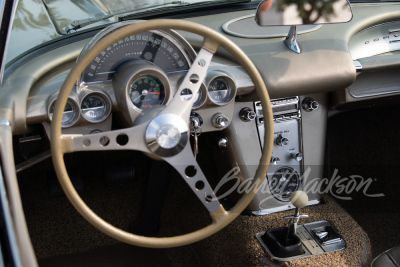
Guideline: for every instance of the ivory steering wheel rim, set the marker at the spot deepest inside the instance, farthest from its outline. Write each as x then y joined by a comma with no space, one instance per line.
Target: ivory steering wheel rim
61,144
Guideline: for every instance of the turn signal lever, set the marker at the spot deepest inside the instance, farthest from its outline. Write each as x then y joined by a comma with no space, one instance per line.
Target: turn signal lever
299,199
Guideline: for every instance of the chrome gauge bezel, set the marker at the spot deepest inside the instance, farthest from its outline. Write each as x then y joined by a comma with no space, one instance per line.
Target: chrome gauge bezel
203,97
198,103
75,109
280,197
107,107
232,86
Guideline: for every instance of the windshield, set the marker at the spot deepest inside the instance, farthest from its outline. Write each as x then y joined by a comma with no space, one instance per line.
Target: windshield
39,21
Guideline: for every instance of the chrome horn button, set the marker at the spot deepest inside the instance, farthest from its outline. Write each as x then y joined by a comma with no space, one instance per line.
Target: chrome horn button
167,135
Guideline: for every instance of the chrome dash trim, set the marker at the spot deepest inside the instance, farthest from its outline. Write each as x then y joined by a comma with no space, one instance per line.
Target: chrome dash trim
8,223
282,208
5,122
283,34
358,65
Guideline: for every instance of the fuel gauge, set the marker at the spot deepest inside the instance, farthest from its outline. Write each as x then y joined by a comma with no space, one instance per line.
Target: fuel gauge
70,113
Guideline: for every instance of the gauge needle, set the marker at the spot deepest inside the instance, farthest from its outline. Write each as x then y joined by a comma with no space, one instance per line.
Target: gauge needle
134,100
154,93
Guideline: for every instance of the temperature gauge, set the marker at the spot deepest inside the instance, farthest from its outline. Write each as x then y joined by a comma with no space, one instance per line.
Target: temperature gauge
200,98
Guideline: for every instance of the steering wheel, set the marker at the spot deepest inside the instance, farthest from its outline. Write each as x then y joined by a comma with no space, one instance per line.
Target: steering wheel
166,135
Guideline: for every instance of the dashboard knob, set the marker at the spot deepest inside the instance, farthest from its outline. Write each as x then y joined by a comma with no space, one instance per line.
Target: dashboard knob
223,142
220,120
282,141
275,160
309,104
247,114
297,156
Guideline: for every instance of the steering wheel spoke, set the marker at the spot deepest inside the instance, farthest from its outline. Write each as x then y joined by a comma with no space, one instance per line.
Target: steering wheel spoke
186,165
125,139
185,96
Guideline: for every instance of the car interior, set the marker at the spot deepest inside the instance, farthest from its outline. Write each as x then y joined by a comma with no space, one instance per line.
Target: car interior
200,134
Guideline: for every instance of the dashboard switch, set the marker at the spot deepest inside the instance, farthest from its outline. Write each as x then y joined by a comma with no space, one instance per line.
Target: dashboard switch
275,160
309,104
297,156
220,120
282,141
247,114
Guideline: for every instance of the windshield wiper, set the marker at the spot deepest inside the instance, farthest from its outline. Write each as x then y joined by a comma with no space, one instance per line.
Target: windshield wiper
77,24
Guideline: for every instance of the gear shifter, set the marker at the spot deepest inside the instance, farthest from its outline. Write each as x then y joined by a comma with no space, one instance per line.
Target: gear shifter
299,199
300,241
283,242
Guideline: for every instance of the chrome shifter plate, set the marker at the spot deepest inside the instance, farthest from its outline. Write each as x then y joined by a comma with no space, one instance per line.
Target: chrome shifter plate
311,245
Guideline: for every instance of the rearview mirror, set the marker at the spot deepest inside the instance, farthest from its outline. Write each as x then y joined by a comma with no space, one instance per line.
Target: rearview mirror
301,12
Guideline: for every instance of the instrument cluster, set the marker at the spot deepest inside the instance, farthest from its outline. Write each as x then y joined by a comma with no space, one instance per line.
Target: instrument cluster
138,73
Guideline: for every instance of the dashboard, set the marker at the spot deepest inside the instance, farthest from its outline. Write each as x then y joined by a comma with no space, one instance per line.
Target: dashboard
141,73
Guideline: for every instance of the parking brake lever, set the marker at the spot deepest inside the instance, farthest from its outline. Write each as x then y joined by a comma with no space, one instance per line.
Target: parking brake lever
299,199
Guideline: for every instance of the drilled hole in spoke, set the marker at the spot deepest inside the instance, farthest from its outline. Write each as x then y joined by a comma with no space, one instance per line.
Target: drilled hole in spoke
122,139
190,171
199,185
104,141
202,62
208,198
86,142
194,78
186,94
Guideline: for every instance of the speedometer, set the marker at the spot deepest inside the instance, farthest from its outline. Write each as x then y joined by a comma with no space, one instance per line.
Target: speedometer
157,47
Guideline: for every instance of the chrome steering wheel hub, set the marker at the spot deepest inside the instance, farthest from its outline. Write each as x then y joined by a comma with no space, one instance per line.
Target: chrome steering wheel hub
166,135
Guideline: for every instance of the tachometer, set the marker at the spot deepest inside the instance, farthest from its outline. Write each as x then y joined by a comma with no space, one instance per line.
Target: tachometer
146,91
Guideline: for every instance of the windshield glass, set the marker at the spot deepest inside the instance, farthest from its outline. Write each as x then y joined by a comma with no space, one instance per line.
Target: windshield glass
39,21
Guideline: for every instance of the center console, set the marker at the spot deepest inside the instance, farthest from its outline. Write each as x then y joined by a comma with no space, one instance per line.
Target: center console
286,168
297,159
